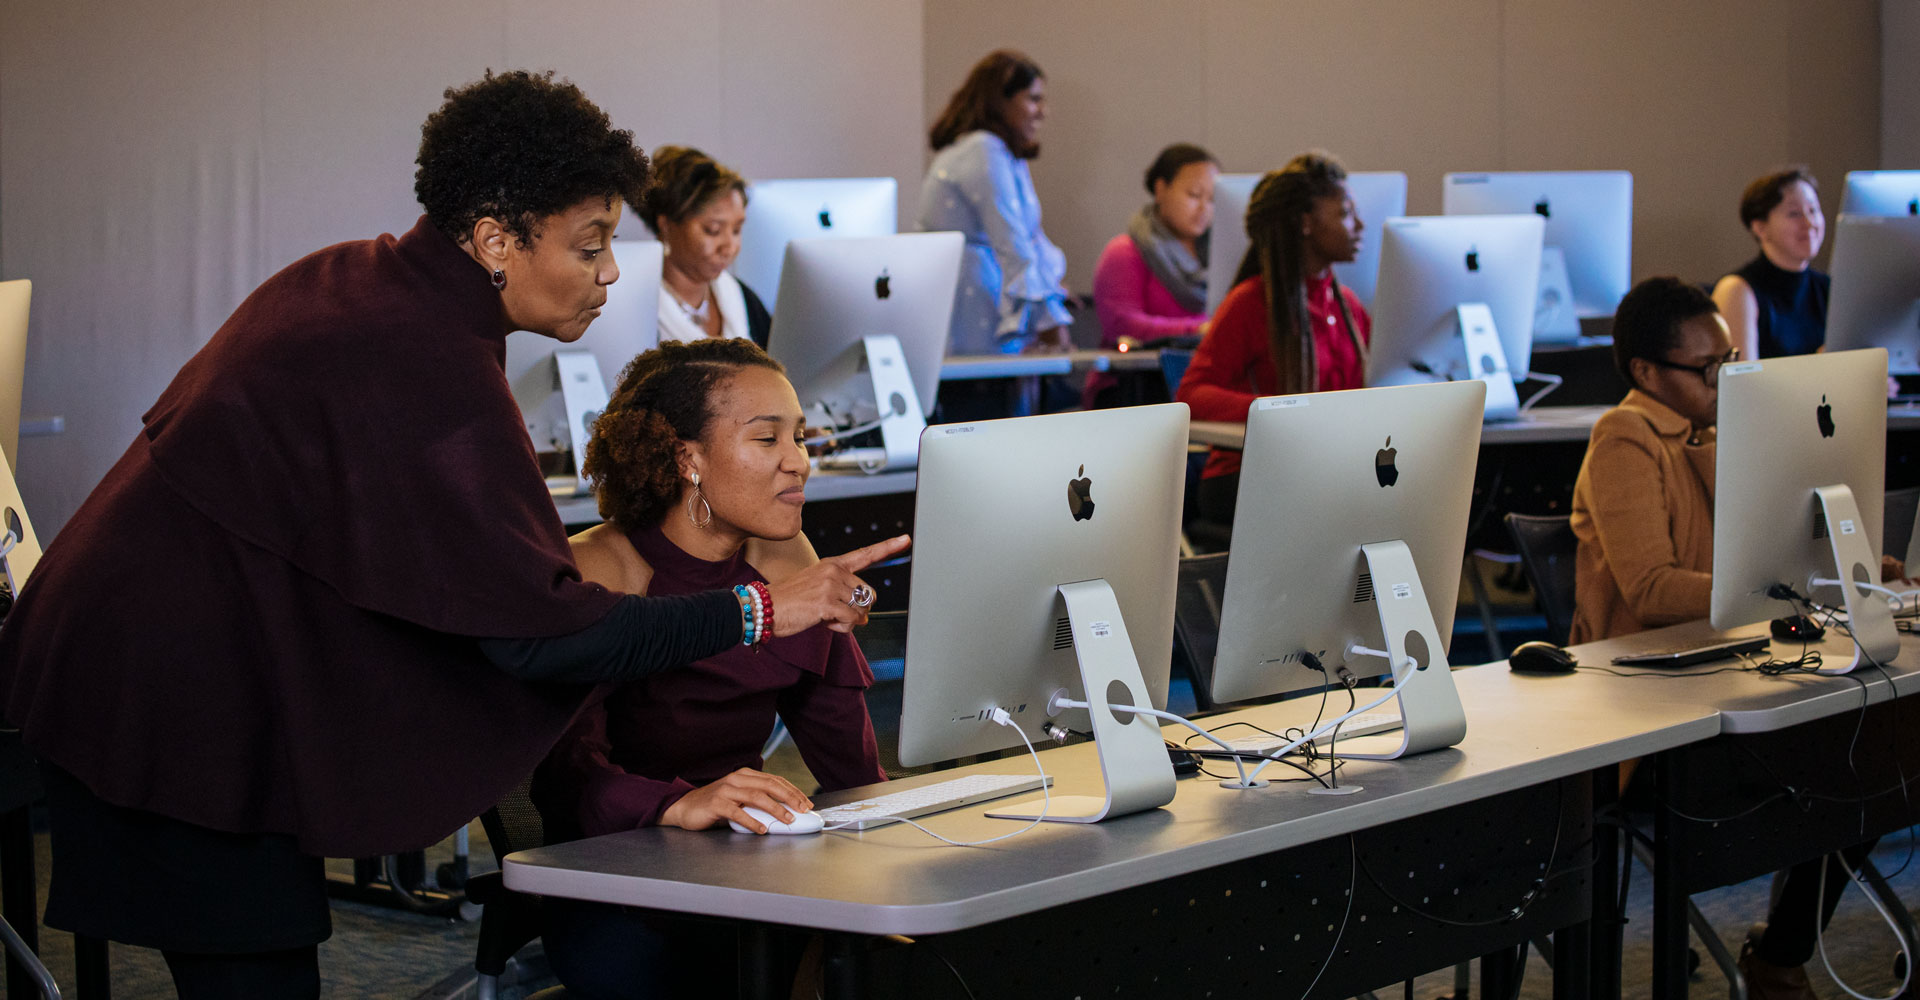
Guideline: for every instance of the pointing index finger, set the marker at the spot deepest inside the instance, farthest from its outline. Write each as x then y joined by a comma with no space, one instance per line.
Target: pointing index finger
861,558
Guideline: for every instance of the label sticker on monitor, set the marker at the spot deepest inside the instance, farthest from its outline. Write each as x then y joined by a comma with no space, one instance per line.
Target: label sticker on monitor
1741,368
1275,402
1846,526
1100,629
1402,591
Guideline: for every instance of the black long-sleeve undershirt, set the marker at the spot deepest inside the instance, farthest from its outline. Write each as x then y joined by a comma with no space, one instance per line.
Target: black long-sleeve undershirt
638,637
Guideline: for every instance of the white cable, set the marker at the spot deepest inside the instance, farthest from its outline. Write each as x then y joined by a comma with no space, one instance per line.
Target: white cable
1895,598
1337,722
849,432
7,545
1060,702
1000,716
1820,935
1552,382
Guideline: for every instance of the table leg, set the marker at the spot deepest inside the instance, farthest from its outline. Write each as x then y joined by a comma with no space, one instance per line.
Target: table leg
1669,888
90,979
756,967
1608,923
846,967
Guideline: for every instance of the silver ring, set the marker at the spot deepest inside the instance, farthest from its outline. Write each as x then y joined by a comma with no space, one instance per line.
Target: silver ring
861,597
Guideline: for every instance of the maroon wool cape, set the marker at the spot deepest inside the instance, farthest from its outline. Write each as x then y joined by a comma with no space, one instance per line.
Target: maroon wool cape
263,619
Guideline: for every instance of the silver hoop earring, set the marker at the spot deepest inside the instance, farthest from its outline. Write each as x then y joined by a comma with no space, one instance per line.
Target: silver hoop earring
699,522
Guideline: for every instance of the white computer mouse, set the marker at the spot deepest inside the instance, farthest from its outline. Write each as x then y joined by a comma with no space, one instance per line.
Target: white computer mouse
803,822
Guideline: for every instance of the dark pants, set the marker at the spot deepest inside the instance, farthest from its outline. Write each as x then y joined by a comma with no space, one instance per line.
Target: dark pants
293,974
605,952
1790,936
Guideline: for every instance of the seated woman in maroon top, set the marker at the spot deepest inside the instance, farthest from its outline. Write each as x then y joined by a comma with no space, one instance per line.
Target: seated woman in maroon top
1287,326
701,474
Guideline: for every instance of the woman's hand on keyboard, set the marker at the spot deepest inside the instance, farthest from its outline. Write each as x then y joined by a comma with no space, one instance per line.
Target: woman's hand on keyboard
714,804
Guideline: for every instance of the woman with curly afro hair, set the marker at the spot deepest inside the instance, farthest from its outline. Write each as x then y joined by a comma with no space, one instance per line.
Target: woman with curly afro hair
331,520
700,471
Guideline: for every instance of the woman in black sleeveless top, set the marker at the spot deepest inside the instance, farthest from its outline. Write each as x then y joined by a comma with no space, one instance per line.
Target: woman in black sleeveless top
1777,303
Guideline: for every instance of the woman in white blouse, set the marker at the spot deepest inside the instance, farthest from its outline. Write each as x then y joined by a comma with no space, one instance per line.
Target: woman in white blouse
1012,297
696,206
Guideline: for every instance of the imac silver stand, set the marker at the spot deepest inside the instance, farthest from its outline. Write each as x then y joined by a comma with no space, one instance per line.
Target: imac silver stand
585,395
1874,638
1133,758
1430,711
1487,360
901,419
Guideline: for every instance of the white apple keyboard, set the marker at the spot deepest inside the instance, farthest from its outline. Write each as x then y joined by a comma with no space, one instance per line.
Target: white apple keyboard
1364,724
913,803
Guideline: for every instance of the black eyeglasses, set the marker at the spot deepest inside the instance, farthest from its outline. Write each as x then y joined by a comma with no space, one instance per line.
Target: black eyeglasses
1709,372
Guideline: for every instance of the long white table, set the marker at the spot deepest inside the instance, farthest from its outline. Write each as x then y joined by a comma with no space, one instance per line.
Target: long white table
960,367
575,510
1541,425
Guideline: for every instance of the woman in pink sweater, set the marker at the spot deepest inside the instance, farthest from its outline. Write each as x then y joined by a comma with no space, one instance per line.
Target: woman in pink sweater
1151,282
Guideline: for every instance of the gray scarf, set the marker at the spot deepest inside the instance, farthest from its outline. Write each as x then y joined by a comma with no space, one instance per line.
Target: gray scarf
1182,273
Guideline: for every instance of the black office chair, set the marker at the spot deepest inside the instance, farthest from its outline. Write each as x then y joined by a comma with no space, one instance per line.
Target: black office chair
508,920
1898,517
1547,547
1197,596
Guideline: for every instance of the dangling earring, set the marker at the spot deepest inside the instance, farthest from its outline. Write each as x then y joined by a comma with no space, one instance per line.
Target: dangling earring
499,279
698,522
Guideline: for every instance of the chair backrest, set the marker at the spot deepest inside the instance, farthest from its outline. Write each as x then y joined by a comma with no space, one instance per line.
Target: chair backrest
1898,514
1547,547
1173,365
1196,620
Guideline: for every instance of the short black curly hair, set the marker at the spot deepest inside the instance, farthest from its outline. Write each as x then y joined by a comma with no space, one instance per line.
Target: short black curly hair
520,146
1647,322
665,397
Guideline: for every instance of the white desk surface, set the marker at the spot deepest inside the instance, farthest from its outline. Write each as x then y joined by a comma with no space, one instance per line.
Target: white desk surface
898,880
960,367
820,486
1905,417
1540,425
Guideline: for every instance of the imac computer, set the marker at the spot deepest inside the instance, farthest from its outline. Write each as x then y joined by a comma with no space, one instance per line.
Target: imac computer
1351,525
1045,556
1456,302
1589,217
562,388
1377,196
15,299
1875,297
861,324
779,212
1881,192
1798,493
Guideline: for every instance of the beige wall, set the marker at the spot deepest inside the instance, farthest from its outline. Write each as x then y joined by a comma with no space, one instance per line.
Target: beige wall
1899,85
1689,97
161,160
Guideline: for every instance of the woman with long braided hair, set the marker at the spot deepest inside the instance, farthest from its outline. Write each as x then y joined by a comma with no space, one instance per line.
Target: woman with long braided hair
1287,326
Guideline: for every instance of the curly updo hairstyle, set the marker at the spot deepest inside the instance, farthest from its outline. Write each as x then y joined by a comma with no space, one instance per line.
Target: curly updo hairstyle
520,146
665,398
684,181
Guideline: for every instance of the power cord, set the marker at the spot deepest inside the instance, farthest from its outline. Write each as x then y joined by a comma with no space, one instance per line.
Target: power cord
1000,716
1820,934
1353,882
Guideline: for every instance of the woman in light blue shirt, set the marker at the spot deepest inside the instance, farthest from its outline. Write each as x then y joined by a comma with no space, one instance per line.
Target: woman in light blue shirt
1011,297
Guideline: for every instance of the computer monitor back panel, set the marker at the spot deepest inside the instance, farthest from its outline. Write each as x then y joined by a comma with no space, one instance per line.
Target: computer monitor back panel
835,292
1786,427
1588,213
779,212
628,325
1431,265
16,297
1875,298
996,532
1323,474
1882,192
1377,196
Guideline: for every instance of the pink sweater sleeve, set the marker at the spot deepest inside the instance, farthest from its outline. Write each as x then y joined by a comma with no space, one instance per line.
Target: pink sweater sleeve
1120,284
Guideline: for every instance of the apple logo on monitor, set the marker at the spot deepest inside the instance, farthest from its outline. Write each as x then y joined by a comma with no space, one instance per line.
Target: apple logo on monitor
1080,496
826,217
1473,258
883,285
1824,415
1383,468
1542,209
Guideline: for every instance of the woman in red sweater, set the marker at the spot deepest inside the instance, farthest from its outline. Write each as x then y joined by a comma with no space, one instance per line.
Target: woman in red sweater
1287,326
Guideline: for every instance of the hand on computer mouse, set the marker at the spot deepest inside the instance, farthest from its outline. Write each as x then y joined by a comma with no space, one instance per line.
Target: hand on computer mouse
726,800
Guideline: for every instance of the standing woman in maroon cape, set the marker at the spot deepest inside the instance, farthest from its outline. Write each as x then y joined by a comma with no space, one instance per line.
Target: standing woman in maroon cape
323,606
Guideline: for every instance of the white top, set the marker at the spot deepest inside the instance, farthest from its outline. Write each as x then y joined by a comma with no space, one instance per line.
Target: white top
724,294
